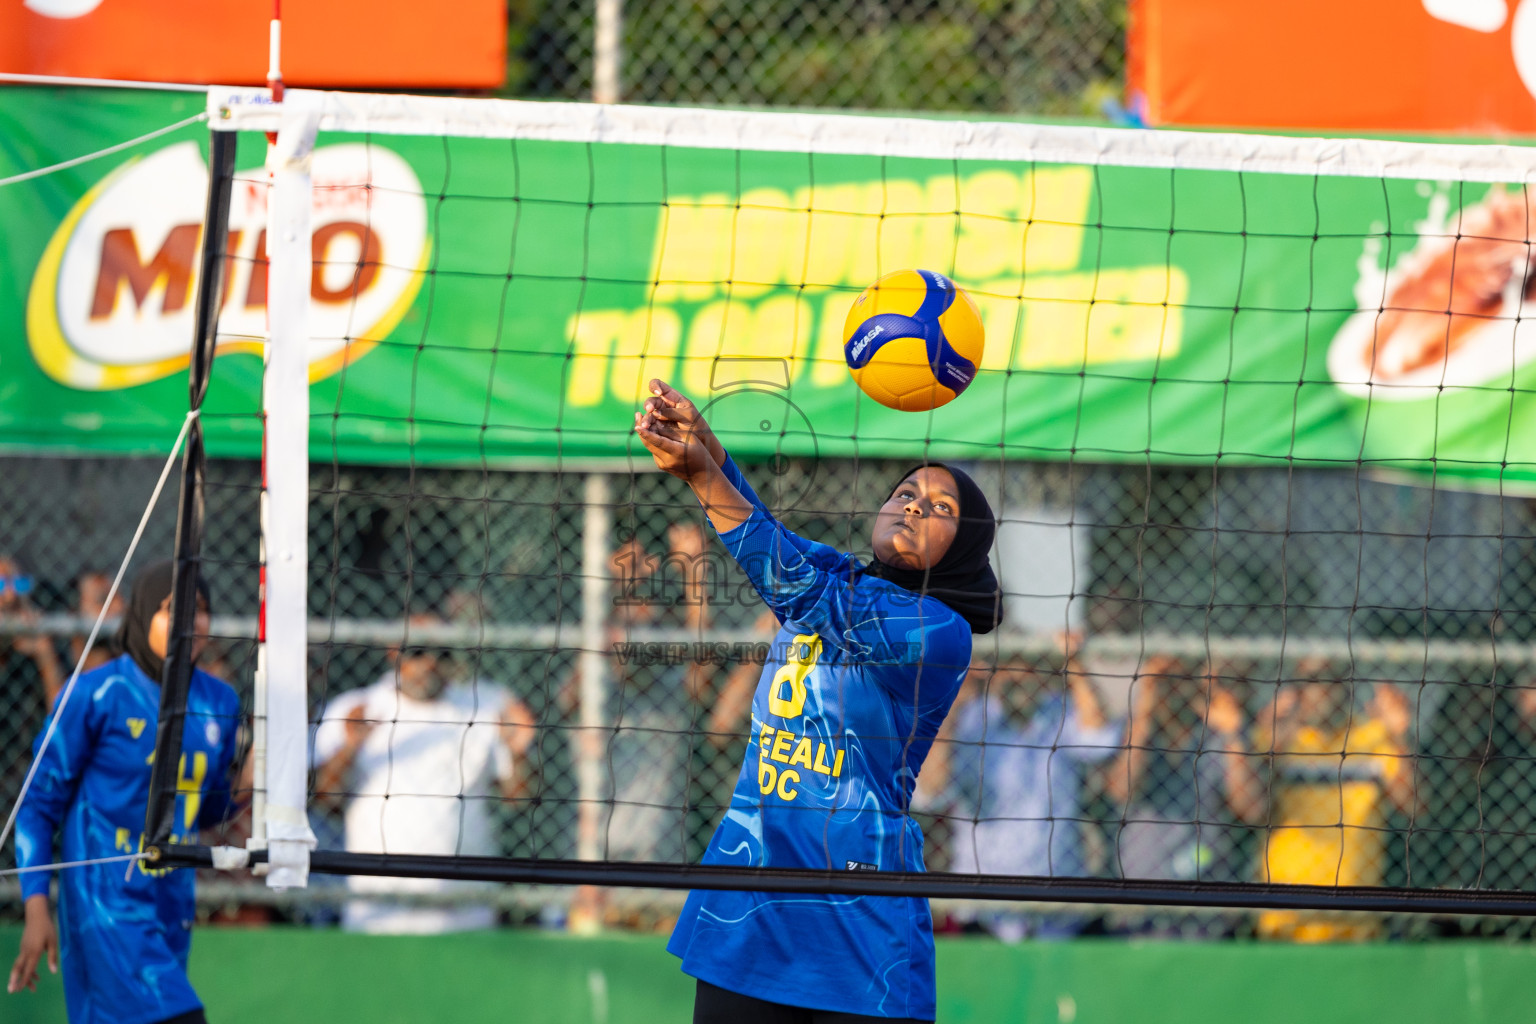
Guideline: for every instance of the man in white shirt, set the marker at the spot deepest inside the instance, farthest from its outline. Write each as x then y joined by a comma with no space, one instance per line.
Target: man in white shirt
417,762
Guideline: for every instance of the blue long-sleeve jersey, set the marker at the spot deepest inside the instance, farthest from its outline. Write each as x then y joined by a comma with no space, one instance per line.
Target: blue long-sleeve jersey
124,936
856,684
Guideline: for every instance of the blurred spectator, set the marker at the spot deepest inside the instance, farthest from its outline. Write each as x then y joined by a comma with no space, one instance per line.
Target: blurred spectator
731,711
30,655
655,705
1185,780
1508,798
1479,765
91,589
657,696
689,568
217,659
1336,773
416,762
632,569
1012,753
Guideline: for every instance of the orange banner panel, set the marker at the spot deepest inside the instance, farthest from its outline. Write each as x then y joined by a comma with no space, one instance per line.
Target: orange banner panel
1465,66
346,43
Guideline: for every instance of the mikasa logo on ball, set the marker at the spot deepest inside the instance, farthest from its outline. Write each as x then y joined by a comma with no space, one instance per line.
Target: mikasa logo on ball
111,302
863,343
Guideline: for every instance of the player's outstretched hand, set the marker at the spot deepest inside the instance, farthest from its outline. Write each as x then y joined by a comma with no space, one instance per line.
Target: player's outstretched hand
674,433
37,940
671,405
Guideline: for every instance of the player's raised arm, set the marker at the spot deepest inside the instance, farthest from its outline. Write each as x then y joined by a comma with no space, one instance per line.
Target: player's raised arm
671,412
682,444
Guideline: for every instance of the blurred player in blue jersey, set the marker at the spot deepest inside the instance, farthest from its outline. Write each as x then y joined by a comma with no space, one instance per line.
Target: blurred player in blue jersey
866,663
123,935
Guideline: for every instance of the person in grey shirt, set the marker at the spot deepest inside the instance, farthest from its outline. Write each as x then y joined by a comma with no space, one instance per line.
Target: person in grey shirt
1185,781
1020,738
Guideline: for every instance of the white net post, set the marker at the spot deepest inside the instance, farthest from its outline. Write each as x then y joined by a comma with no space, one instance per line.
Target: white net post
282,688
597,525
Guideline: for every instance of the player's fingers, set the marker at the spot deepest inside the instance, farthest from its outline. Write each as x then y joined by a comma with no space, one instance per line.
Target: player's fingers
53,956
660,412
659,434
676,412
647,436
668,394
656,425
664,411
664,446
660,403
21,971
670,428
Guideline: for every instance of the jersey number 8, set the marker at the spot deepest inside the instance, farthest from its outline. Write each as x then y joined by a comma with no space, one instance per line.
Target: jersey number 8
803,652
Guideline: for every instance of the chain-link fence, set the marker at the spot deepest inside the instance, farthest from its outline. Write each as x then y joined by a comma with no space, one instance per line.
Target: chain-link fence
1001,56
1307,677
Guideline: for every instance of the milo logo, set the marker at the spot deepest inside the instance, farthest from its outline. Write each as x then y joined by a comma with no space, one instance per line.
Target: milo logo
111,301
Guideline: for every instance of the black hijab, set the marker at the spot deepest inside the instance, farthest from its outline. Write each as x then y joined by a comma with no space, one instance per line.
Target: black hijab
963,578
152,587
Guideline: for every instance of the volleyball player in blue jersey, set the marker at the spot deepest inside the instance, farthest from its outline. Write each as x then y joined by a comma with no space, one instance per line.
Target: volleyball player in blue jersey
124,936
863,670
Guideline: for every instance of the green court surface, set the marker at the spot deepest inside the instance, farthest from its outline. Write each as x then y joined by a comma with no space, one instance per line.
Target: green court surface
298,976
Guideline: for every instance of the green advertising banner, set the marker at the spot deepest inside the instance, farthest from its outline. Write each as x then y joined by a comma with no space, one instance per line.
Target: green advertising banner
496,301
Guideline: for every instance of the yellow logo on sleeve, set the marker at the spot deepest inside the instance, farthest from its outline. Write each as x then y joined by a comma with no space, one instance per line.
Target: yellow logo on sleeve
136,727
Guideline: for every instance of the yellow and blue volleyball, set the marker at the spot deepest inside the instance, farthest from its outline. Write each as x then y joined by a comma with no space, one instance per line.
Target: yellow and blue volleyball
913,340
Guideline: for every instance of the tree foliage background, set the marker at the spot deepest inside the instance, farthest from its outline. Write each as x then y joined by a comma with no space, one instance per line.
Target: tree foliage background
1063,57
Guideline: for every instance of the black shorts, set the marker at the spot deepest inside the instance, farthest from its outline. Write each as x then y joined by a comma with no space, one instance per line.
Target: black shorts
190,1017
715,1005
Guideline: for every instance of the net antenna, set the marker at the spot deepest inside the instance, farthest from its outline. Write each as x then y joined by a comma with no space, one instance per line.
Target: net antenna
160,813
275,54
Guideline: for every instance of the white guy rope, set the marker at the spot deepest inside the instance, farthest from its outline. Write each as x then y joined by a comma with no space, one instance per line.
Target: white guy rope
76,863
69,688
232,109
87,158
97,83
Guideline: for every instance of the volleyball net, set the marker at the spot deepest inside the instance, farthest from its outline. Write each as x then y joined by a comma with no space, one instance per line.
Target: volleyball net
1250,413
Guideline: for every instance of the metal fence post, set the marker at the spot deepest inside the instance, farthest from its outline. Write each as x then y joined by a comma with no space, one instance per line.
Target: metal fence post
589,753
606,52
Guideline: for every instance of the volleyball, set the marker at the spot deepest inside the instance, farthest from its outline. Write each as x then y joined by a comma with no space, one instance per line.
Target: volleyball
913,340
